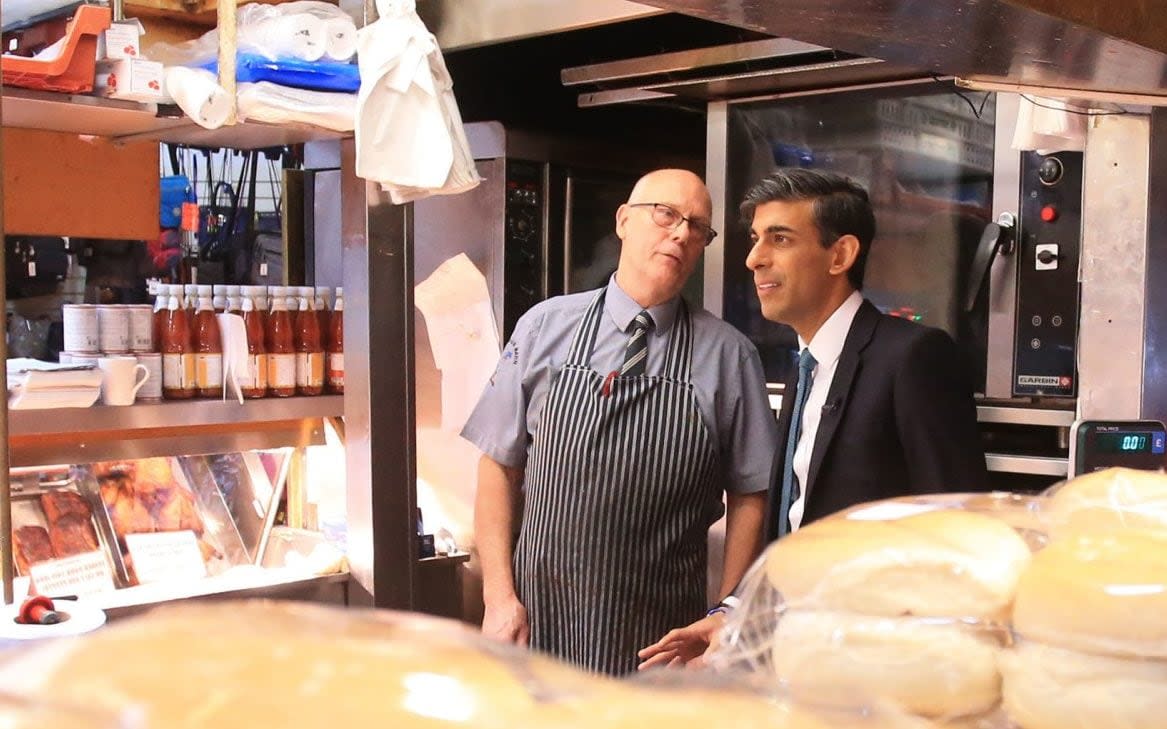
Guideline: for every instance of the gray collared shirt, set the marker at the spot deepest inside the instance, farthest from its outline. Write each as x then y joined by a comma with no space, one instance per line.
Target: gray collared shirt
727,379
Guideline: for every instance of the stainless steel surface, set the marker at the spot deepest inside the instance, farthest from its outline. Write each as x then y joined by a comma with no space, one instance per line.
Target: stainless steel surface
441,230
1024,416
380,450
327,265
1113,267
666,64
332,589
113,445
1030,465
770,67
468,23
79,422
1154,400
980,39
716,141
6,564
1003,274
845,72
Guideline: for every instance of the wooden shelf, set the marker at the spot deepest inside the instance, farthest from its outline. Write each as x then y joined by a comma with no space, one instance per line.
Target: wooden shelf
130,121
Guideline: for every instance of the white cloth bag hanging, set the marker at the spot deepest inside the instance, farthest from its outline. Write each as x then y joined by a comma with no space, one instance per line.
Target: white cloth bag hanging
409,135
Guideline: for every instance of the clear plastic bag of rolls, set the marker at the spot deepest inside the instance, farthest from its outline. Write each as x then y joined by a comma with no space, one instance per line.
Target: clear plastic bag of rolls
1090,617
1027,514
1114,499
901,607
267,664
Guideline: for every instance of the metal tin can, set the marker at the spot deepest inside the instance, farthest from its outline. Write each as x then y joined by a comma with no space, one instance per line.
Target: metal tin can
152,390
141,328
81,328
114,326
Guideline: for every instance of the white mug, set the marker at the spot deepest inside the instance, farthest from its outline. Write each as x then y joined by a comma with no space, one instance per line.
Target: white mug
118,379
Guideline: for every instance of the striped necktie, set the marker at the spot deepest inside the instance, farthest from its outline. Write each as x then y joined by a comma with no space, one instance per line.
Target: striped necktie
636,353
790,489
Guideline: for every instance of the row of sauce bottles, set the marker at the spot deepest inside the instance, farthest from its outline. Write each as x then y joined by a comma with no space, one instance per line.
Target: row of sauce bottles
295,341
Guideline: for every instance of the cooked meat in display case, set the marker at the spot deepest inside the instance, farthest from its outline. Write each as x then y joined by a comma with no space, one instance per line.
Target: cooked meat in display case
32,546
153,495
144,496
70,523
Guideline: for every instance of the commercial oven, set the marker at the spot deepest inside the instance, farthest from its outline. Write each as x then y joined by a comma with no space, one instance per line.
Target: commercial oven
973,237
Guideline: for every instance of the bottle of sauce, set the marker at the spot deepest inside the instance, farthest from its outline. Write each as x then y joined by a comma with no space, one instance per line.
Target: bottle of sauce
254,381
309,350
323,310
190,299
281,350
336,345
160,313
234,300
178,360
208,346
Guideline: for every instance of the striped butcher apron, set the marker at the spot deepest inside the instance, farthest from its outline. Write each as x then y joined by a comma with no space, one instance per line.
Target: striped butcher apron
620,492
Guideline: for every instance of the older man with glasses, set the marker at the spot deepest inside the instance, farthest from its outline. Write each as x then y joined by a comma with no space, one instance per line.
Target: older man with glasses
616,421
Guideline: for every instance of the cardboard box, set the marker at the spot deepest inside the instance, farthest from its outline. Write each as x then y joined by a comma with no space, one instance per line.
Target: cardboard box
132,79
120,40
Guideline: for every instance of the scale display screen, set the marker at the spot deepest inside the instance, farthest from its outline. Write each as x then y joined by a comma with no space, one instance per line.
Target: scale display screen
1128,442
1098,444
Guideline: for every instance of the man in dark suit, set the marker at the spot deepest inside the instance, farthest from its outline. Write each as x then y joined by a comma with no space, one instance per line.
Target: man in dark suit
879,406
884,406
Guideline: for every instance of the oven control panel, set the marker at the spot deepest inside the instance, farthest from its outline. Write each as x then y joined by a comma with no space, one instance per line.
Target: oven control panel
525,249
1049,240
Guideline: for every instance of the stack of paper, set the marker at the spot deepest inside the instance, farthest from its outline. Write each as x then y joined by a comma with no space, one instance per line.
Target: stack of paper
36,385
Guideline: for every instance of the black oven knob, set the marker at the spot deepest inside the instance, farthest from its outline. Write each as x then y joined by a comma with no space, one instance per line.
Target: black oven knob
1050,171
1047,257
522,226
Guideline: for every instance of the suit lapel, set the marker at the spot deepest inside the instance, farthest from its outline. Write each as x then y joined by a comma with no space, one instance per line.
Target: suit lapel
862,329
780,456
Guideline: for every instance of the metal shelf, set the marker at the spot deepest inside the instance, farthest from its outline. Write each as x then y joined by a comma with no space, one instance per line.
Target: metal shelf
81,435
128,121
169,415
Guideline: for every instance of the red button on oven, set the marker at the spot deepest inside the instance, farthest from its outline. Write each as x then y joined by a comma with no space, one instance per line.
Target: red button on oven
1049,213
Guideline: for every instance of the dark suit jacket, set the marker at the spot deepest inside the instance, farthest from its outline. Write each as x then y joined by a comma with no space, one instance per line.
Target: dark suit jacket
899,419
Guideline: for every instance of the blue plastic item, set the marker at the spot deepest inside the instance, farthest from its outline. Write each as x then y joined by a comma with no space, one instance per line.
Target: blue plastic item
175,190
313,75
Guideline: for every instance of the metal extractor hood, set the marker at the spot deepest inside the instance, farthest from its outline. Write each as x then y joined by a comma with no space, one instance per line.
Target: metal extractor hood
1087,45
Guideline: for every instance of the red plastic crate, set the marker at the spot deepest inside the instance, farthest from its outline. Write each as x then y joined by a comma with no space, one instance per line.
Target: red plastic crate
72,71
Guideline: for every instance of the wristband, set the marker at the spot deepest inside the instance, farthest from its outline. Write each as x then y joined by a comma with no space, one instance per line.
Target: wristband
730,603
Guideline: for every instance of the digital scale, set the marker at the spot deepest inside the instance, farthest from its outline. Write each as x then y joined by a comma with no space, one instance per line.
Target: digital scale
1098,444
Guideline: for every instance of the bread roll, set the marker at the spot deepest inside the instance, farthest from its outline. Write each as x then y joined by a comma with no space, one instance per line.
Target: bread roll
939,563
258,664
1052,688
1104,593
930,668
1116,498
261,664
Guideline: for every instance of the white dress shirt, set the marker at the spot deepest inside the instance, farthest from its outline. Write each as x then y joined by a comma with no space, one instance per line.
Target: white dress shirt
826,346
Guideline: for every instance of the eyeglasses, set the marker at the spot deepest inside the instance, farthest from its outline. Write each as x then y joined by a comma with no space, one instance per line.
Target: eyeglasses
670,218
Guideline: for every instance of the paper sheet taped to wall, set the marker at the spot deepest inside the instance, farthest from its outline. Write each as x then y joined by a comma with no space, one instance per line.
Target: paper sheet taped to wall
463,334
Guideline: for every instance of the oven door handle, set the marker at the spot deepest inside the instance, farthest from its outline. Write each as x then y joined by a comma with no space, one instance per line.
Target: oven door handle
997,238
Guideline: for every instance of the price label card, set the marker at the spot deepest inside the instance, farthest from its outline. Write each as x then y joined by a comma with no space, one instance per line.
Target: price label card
81,574
166,556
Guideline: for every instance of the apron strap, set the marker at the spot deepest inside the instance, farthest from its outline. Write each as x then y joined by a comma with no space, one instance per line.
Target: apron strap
679,359
584,339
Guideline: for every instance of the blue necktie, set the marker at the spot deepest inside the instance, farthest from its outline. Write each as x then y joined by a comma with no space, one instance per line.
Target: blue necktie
790,490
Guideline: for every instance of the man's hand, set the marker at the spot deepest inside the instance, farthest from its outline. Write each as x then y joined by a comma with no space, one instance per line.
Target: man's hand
506,621
683,646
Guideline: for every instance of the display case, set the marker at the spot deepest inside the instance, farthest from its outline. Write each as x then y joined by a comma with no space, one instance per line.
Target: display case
137,505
